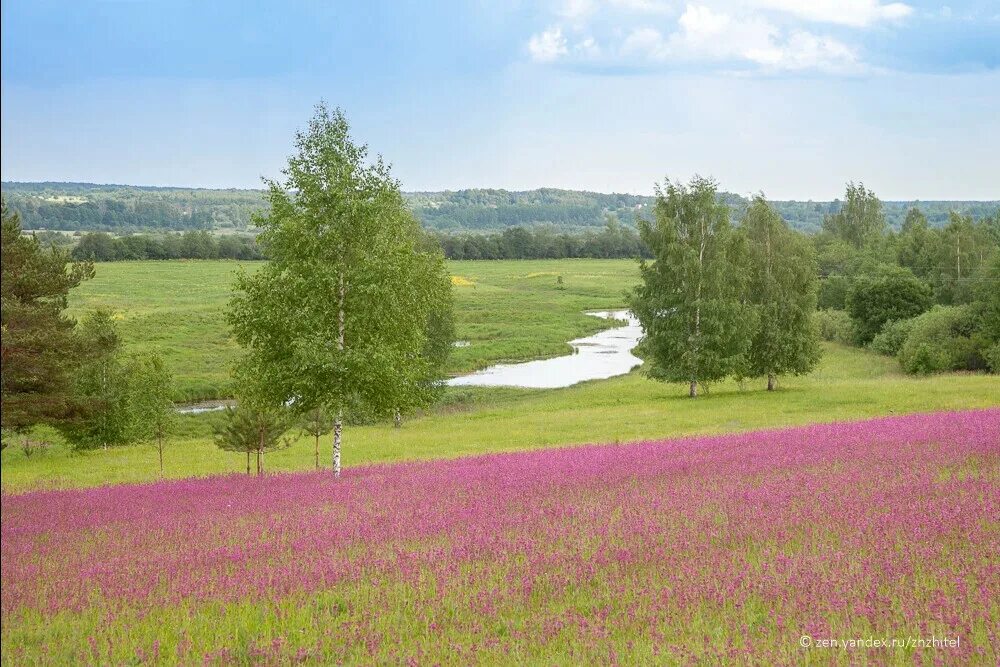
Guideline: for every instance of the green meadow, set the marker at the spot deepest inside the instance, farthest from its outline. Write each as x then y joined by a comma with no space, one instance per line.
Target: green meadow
506,310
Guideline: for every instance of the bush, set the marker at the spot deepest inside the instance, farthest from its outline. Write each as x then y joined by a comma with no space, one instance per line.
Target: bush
941,340
834,326
833,292
992,357
874,300
891,338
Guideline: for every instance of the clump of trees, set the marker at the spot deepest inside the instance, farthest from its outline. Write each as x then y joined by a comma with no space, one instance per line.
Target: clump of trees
718,301
74,377
255,426
926,294
353,308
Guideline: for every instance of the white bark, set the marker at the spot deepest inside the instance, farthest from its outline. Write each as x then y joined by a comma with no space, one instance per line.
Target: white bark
338,425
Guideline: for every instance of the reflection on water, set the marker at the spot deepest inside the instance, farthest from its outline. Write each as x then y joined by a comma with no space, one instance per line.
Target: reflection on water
603,355
205,406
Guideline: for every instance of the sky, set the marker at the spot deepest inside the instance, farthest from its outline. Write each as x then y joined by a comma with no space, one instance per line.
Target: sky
792,98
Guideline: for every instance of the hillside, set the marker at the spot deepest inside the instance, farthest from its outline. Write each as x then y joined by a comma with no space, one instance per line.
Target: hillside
122,208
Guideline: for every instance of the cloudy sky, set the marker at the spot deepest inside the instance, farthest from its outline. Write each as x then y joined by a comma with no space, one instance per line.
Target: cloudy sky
792,97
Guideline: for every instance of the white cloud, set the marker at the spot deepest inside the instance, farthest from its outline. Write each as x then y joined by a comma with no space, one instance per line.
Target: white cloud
702,33
707,35
588,48
548,46
855,13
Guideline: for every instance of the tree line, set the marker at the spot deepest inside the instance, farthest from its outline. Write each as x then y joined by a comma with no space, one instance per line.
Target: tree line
613,241
103,247
724,299
128,209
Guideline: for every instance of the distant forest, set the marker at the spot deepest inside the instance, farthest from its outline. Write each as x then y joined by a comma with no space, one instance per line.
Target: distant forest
121,209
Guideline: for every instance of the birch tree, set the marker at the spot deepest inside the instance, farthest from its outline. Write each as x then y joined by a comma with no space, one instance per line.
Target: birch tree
697,328
782,286
154,405
338,316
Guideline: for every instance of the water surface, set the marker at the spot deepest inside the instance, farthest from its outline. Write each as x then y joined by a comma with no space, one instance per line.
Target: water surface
603,355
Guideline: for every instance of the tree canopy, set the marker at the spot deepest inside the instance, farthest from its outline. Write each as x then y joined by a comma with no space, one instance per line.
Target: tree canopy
40,349
689,301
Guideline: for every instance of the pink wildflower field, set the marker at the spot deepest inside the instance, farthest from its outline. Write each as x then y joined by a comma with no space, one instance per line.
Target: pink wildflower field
754,547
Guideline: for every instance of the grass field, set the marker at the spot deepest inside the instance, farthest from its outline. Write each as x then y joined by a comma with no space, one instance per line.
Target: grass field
849,384
506,310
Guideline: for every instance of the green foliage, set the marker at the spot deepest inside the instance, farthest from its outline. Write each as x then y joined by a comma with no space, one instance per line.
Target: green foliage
888,295
860,220
941,340
833,292
102,247
834,326
782,287
986,308
154,408
339,316
696,327
39,347
316,423
110,384
253,429
918,247
892,336
964,247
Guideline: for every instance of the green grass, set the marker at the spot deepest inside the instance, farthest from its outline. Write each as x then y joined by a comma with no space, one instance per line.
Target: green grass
849,384
507,310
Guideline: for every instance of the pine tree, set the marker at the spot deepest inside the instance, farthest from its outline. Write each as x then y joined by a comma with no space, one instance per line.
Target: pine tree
39,347
316,423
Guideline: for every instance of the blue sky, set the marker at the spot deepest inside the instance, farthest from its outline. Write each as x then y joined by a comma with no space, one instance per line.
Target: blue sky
791,97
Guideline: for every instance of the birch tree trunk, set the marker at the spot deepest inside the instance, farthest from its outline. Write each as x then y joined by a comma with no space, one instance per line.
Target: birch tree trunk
397,419
338,424
317,452
771,381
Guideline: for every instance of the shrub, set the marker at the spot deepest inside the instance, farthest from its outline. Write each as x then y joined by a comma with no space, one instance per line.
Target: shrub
834,325
941,340
833,292
874,300
891,338
992,357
